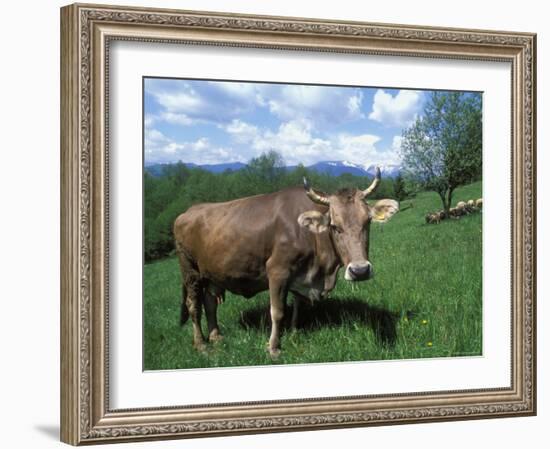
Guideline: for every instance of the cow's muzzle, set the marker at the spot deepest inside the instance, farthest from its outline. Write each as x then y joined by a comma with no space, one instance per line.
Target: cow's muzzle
359,271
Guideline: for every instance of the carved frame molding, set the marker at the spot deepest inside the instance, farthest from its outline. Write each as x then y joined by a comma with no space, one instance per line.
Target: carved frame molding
87,31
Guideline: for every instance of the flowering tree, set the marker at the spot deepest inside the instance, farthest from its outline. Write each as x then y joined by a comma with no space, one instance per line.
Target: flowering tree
442,149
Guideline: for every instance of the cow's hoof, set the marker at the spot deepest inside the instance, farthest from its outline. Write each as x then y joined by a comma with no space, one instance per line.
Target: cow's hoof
215,336
200,346
274,353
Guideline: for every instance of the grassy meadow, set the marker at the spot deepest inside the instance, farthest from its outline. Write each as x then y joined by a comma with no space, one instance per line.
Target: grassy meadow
425,300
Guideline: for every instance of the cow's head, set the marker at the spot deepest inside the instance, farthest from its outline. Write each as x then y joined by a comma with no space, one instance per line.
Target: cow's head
348,221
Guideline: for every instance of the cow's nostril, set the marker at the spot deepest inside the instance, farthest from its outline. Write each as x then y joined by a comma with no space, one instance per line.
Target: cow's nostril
367,270
361,271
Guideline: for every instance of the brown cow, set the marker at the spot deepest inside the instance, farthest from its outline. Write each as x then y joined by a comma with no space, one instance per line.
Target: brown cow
289,241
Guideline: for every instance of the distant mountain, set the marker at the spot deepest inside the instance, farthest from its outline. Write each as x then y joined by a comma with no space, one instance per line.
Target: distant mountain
220,168
158,169
336,168
333,168
388,170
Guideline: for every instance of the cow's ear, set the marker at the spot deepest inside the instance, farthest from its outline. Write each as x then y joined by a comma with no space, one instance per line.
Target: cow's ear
383,210
313,220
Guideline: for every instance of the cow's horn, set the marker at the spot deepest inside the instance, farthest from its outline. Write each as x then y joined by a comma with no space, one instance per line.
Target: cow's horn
313,196
374,184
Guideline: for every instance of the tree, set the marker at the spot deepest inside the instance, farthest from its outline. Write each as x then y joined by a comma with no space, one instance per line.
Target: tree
399,191
265,172
441,150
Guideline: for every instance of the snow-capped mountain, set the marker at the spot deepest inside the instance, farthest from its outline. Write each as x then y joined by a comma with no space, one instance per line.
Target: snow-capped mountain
336,168
388,170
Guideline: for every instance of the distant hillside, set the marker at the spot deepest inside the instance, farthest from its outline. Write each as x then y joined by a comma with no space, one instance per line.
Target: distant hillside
337,168
333,168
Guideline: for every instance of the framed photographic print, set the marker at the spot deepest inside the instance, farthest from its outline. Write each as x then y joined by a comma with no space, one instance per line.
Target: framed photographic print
280,224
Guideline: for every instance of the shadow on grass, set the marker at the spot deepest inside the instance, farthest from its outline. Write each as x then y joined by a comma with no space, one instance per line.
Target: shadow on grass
333,312
403,209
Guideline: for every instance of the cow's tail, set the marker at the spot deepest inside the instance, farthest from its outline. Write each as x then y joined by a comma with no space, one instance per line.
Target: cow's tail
184,314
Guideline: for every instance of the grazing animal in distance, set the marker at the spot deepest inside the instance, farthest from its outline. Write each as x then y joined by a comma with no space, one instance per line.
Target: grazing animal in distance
461,206
455,212
433,218
470,206
295,240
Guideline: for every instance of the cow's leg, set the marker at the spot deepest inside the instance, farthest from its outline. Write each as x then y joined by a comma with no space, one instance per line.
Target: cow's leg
184,313
211,307
194,302
296,306
278,279
192,296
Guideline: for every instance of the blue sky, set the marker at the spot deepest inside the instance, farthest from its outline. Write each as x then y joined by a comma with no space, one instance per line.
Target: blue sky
210,122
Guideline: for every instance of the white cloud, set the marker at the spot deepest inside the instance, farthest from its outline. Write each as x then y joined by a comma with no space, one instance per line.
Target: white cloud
240,131
154,138
199,152
297,132
149,120
184,100
354,106
246,93
299,128
162,149
399,110
362,140
319,104
176,119
297,142
188,103
363,149
294,141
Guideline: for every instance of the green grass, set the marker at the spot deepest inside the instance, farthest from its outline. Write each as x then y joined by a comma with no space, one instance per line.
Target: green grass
424,301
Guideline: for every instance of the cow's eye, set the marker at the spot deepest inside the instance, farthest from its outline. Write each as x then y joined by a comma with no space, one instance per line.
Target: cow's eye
336,229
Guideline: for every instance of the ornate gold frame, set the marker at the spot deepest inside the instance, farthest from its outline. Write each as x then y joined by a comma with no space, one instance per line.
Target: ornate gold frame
86,31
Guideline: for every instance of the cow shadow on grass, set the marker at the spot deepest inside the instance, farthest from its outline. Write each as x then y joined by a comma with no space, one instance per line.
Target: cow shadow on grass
333,312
